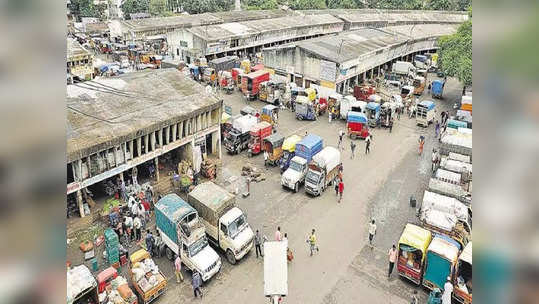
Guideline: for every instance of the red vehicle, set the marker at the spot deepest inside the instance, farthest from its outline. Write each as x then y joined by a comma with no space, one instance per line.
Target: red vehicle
357,125
363,92
258,67
250,83
258,132
105,278
322,105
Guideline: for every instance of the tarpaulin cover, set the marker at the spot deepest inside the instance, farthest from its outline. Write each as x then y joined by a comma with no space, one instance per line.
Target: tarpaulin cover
455,165
356,117
440,219
79,279
427,104
446,204
328,158
373,106
416,237
290,142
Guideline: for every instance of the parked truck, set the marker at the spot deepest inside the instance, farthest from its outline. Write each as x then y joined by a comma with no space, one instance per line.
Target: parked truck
226,225
148,280
289,151
451,190
322,170
81,286
238,137
456,141
250,83
183,234
294,176
425,113
441,260
404,68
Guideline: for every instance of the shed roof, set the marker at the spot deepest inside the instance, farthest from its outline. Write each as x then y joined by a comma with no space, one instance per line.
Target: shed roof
74,48
108,111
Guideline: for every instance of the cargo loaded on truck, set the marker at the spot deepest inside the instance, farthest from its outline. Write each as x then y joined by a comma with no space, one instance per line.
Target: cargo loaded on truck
294,176
322,170
226,225
238,137
184,234
148,280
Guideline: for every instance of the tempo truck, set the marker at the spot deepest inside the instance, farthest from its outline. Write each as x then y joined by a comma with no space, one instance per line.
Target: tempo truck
322,170
297,169
184,234
226,225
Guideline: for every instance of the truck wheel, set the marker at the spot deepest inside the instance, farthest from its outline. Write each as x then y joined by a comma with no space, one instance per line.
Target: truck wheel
250,154
230,257
296,187
353,136
169,254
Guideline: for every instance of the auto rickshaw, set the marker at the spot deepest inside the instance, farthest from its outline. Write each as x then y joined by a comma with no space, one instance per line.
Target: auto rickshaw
334,101
289,151
305,109
273,144
295,91
270,114
311,94
322,105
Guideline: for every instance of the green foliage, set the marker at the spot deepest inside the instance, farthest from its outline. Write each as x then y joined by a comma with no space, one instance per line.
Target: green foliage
260,4
134,6
463,5
456,53
158,7
307,4
203,6
86,8
441,5
348,4
397,4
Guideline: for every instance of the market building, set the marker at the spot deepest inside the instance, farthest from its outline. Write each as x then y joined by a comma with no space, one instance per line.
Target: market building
340,61
136,120
79,61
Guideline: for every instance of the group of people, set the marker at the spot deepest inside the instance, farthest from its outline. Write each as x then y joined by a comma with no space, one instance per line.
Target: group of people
368,141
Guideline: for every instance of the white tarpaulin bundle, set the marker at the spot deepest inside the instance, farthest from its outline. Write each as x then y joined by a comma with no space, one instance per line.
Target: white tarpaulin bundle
458,137
79,279
446,204
448,176
445,188
439,219
459,157
328,158
455,165
244,123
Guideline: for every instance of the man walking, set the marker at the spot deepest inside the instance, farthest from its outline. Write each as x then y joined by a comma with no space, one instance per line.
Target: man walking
336,182
137,224
372,232
436,128
448,290
435,160
178,269
368,144
341,190
149,242
278,236
352,148
258,243
341,134
196,283
390,124
266,156
312,242
392,258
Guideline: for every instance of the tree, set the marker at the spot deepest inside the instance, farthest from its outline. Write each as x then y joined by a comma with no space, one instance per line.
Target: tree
159,8
455,53
463,5
86,8
307,4
347,4
396,4
441,5
260,4
134,6
203,6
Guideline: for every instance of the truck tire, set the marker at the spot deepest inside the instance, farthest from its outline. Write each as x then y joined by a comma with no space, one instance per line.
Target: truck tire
169,254
353,136
230,257
250,154
296,187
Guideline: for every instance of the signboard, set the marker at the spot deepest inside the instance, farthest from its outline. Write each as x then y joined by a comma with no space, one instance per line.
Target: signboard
327,70
327,84
228,110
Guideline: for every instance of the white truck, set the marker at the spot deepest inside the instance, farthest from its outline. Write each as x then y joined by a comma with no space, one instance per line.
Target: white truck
184,235
295,174
350,103
451,190
425,113
275,271
404,68
322,170
226,225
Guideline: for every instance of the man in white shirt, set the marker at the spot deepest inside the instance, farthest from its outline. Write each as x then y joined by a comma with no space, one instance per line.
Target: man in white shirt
266,156
372,232
137,224
448,290
134,209
278,236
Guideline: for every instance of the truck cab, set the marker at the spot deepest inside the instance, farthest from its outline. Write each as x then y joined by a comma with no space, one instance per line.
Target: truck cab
289,148
322,170
295,174
238,137
226,225
183,234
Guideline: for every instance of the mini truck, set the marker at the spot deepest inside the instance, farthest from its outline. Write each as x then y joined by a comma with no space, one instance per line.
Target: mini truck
183,234
145,290
322,170
250,83
238,137
425,113
226,225
294,176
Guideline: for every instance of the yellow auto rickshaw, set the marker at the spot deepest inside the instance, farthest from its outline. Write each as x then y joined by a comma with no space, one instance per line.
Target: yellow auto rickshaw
273,144
270,113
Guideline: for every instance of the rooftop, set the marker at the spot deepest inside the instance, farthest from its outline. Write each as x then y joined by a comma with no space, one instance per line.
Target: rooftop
75,49
246,28
351,45
108,111
354,16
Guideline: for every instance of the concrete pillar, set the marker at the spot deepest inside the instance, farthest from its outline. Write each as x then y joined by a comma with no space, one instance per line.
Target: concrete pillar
152,140
146,143
79,202
167,135
79,169
139,146
364,76
156,169
208,119
378,70
174,130
121,176
89,164
180,128
131,148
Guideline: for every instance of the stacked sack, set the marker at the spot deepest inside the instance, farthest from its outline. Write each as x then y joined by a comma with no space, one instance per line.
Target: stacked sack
140,271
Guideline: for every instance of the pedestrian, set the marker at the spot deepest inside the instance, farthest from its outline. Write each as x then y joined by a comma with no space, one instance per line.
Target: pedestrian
463,90
285,238
137,224
330,116
421,144
390,124
429,86
392,258
415,298
158,244
196,283
258,243
142,214
123,191
178,269
448,290
312,242
436,128
128,221
434,160
352,148
368,144
336,182
134,207
341,134
266,156
134,176
372,232
278,236
341,190
149,242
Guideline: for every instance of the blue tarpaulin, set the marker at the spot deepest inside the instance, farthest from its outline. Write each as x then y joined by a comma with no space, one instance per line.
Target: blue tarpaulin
427,104
373,106
356,117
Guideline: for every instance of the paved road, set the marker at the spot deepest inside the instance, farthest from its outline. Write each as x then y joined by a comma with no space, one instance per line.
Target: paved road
345,270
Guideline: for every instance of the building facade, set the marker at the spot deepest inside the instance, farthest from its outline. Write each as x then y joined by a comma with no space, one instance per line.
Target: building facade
79,61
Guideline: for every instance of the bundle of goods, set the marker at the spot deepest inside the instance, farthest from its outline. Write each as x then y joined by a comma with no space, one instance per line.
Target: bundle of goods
112,246
146,274
79,282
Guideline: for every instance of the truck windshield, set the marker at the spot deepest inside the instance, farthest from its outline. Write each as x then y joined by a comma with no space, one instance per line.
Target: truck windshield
237,226
197,246
295,166
231,137
312,177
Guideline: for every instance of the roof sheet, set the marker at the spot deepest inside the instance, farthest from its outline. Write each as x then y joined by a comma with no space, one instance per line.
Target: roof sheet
111,110
74,48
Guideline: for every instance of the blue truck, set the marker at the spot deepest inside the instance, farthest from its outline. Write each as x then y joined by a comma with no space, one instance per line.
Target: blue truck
437,87
294,176
442,256
373,113
184,234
